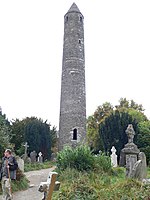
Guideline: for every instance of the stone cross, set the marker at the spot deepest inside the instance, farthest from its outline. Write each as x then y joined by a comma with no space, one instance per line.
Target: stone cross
114,157
130,152
26,147
130,133
40,158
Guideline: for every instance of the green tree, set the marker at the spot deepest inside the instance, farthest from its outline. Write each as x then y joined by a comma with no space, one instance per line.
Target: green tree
93,121
4,133
112,130
126,104
103,112
107,110
143,138
36,132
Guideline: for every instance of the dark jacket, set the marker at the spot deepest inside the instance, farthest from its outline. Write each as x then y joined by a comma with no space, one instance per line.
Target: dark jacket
13,165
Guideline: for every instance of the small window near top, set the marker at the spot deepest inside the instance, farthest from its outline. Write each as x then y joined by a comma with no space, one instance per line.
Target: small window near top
79,41
66,18
80,19
75,134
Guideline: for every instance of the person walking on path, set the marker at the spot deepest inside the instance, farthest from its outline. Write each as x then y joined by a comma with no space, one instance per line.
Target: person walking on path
9,167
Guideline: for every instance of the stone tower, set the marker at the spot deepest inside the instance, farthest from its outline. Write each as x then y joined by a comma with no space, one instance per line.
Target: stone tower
72,122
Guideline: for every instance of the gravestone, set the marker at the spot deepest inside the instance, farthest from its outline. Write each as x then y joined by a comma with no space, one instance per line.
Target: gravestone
113,157
40,157
130,151
122,160
25,155
140,168
53,157
142,157
20,162
33,155
26,148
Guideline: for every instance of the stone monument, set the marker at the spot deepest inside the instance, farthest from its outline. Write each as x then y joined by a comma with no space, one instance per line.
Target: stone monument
25,155
40,157
113,157
33,155
26,148
139,170
20,162
130,151
72,121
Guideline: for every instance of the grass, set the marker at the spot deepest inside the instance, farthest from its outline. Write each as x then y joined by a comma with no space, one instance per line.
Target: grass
21,183
99,185
37,166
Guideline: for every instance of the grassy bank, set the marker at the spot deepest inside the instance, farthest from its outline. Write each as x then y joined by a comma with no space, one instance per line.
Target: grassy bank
21,183
37,166
84,176
97,185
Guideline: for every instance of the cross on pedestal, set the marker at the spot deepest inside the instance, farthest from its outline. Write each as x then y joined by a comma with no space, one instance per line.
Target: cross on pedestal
26,147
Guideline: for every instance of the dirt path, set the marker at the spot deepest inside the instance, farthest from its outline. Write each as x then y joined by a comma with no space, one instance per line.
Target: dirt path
35,177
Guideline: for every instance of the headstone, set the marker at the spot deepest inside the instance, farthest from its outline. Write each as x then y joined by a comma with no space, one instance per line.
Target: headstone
142,157
122,160
26,148
40,158
33,155
136,170
53,157
113,157
20,162
25,155
130,151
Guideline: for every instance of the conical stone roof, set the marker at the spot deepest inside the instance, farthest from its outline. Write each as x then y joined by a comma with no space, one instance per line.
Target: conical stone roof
74,8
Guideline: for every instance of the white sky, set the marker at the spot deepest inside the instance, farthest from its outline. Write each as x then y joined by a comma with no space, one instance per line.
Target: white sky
117,49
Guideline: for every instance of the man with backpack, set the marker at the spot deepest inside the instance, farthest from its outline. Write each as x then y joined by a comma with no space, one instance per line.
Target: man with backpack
8,173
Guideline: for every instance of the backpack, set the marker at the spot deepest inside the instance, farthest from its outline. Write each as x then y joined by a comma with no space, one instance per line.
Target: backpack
14,166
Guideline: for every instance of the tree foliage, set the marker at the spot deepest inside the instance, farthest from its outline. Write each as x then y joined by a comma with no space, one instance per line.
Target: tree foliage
36,132
112,130
143,138
106,127
93,137
4,133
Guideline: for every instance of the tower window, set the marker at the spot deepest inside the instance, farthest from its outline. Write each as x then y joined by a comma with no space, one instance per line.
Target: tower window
66,18
79,41
80,19
75,134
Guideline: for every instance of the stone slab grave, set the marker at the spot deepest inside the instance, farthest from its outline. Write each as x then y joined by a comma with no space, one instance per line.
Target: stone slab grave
49,186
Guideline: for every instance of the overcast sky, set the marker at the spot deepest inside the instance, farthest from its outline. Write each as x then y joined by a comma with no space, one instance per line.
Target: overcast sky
117,50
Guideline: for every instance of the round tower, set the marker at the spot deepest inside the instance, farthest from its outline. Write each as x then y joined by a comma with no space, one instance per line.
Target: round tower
72,123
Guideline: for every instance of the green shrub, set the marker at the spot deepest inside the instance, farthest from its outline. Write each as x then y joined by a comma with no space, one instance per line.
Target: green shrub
37,166
21,183
79,158
103,162
96,185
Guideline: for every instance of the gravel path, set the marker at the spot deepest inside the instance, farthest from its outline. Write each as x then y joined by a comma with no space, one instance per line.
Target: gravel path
35,177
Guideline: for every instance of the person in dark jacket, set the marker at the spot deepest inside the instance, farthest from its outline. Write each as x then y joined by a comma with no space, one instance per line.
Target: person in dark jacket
9,167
